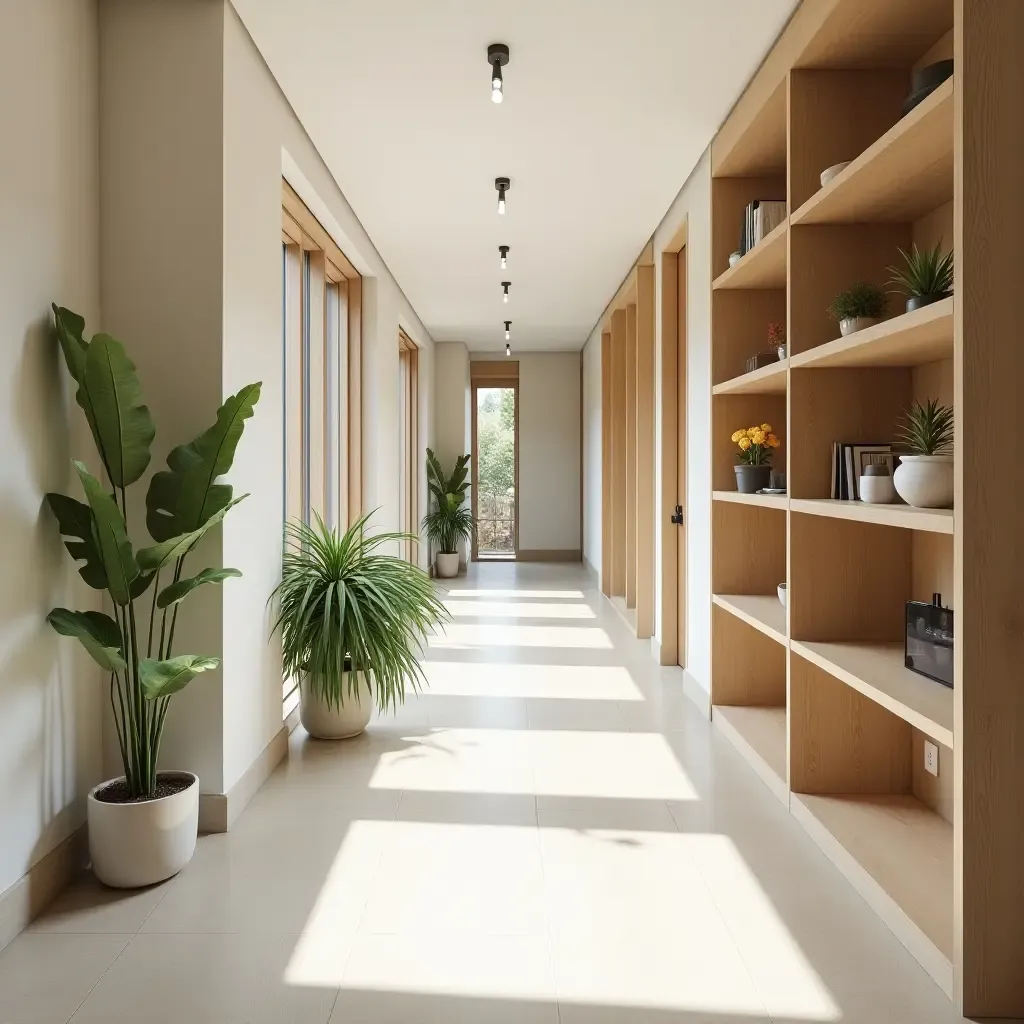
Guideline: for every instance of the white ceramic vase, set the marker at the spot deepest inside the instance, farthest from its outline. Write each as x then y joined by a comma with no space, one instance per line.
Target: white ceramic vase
853,324
325,721
877,490
142,843
925,481
447,565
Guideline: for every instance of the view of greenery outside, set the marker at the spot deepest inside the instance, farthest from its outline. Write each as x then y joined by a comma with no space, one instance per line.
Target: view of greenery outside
496,473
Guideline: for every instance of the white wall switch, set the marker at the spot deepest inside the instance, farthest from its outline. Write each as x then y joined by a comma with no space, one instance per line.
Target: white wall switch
931,757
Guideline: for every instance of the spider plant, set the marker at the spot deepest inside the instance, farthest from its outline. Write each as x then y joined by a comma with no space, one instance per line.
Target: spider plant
927,429
926,273
351,618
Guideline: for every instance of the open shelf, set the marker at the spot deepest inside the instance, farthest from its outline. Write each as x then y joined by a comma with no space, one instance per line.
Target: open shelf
930,520
767,380
904,175
763,267
898,854
877,671
763,612
759,734
911,339
764,500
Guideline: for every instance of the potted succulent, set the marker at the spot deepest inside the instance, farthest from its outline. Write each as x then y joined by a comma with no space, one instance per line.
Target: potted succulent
448,522
352,621
143,825
858,307
777,338
926,277
754,468
924,477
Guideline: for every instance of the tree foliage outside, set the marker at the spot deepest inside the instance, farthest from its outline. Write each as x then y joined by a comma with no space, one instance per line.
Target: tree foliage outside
496,473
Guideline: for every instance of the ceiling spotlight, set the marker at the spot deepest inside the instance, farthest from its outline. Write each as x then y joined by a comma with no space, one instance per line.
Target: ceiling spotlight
508,329
503,250
502,185
508,349
497,55
506,285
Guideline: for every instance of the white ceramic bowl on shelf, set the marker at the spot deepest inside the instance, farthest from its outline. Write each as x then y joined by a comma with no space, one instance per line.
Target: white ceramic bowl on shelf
831,172
782,593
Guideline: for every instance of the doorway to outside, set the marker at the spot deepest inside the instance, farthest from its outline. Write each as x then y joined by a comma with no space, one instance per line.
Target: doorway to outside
495,468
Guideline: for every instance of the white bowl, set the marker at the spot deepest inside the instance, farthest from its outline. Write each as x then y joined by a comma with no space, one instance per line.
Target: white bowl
735,257
830,172
782,593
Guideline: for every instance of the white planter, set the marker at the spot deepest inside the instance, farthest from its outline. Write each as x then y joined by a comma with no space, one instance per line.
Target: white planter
877,490
781,352
447,565
137,844
853,324
326,721
781,591
925,481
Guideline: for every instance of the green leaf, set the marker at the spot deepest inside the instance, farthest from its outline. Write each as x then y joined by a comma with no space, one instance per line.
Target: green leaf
184,496
141,584
70,327
122,427
75,521
98,633
110,537
162,678
176,591
159,555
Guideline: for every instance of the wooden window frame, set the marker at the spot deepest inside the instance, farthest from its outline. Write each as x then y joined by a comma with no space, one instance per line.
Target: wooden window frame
409,462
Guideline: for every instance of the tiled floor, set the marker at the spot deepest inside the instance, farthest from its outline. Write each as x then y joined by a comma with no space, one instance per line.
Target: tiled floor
552,833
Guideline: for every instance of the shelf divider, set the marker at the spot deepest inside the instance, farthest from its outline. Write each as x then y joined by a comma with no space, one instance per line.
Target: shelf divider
762,611
930,520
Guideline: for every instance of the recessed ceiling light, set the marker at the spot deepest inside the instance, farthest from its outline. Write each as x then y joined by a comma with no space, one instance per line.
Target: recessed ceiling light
503,252
502,185
497,55
505,286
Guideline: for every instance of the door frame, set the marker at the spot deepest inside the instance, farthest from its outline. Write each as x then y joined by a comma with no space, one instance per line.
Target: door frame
511,382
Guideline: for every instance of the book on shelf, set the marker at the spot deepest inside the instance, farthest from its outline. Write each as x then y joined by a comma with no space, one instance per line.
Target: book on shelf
760,219
849,462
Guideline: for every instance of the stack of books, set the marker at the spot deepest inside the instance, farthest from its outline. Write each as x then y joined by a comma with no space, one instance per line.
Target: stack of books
848,463
760,219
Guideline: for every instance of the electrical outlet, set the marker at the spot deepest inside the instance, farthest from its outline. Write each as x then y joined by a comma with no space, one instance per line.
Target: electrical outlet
931,757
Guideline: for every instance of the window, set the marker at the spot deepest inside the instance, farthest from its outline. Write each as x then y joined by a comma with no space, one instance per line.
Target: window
409,458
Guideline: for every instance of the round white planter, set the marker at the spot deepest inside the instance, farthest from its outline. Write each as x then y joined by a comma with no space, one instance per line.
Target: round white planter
447,565
925,481
877,490
325,721
137,844
853,324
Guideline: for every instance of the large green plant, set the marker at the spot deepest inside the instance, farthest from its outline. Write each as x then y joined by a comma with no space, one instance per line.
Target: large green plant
351,618
184,501
448,520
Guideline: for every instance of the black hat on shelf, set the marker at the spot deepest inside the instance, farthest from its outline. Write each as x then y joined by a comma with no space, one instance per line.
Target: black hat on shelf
925,82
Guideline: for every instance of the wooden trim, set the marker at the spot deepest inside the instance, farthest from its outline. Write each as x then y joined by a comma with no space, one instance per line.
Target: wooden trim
606,452
646,500
482,370
617,493
355,398
631,455
550,555
477,381
298,217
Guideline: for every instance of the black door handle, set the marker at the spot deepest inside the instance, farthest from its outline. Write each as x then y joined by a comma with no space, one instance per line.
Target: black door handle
677,516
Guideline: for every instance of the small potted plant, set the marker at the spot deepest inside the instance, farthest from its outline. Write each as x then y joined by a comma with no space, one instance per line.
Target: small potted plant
754,466
924,477
777,338
926,277
449,522
352,621
859,307
143,825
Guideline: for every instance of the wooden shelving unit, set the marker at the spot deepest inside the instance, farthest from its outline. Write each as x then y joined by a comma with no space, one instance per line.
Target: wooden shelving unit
768,380
759,733
763,267
779,501
904,517
763,612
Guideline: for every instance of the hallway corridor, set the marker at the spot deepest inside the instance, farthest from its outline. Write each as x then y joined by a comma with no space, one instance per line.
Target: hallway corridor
552,833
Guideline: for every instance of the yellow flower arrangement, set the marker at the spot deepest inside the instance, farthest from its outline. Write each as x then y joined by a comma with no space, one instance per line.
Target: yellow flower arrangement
756,444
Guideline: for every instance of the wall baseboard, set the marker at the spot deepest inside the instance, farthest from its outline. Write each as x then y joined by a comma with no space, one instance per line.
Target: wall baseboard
551,555
24,901
219,811
591,571
697,693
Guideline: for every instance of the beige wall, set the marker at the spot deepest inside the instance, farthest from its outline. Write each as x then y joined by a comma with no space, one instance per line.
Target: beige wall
592,454
50,696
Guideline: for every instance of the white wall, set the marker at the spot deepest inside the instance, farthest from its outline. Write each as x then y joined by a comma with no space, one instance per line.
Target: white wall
451,401
592,452
50,695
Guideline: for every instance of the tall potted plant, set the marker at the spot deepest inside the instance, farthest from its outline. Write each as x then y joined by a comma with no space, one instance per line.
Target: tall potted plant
448,522
352,621
143,825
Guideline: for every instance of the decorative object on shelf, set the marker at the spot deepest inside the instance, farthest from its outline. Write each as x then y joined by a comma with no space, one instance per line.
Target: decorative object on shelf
875,485
449,522
929,640
833,172
858,307
781,591
924,477
776,491
925,81
849,463
927,276
778,481
759,361
143,825
352,622
777,338
760,219
753,473
734,258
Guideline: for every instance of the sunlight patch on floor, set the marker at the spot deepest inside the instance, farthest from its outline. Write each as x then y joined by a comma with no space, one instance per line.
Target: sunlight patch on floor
557,682
464,635
519,610
541,595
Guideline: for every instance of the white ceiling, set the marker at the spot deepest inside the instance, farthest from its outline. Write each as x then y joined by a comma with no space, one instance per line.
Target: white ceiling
608,106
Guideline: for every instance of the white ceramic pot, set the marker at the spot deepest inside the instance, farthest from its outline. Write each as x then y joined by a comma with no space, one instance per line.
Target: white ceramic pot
832,172
877,490
325,721
925,481
853,324
447,565
781,352
137,844
781,590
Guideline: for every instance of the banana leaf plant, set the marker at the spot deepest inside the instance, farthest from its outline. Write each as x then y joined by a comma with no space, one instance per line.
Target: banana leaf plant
447,522
183,503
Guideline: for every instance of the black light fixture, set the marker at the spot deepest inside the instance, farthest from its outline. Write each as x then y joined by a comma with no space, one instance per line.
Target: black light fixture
503,253
497,55
508,349
508,330
505,285
502,185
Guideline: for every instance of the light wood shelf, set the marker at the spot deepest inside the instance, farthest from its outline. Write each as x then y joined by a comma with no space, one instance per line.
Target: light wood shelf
764,266
904,175
766,380
911,339
878,672
759,734
780,501
763,612
898,854
929,520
